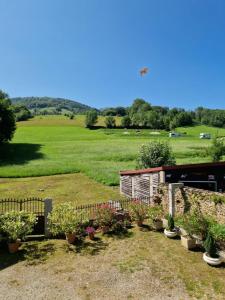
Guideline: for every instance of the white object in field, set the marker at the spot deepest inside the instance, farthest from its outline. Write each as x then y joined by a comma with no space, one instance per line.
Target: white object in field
174,134
126,132
170,234
211,260
205,135
155,132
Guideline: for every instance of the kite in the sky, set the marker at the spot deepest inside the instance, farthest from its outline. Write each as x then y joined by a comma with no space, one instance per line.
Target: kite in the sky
144,71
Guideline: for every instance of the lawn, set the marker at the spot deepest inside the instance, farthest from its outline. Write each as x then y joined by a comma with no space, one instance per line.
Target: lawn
76,188
56,145
140,265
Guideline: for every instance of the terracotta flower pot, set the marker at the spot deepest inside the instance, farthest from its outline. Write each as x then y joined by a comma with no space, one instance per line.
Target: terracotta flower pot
139,223
91,235
105,229
14,246
70,237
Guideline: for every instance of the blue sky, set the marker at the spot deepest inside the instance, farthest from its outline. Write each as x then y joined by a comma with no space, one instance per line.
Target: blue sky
91,51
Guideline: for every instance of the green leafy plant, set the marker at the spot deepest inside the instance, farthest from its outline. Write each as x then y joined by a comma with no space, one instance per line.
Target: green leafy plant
138,210
196,223
210,246
104,215
16,225
155,212
65,220
217,199
155,154
218,231
171,223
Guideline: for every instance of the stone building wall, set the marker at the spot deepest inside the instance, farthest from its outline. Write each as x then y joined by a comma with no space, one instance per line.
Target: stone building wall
187,198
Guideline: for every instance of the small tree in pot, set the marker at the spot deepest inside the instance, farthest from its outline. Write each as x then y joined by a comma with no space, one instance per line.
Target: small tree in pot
211,255
65,220
155,215
170,231
138,211
104,216
16,225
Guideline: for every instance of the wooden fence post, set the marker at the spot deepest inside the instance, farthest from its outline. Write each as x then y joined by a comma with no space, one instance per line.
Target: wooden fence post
48,209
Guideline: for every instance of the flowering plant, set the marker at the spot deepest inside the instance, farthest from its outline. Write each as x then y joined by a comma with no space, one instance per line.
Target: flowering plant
64,219
138,210
104,215
90,230
17,224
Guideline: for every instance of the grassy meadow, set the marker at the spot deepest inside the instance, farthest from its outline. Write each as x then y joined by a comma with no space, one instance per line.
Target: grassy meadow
48,145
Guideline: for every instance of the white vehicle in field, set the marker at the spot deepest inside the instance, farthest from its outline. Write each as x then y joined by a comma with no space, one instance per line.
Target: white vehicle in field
174,134
205,136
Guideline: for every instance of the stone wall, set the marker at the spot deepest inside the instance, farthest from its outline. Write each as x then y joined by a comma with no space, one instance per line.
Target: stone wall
187,198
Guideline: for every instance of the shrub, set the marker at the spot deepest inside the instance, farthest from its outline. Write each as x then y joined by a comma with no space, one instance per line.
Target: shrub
104,215
126,122
210,246
155,154
110,122
65,220
217,150
196,223
17,224
138,210
218,231
91,118
170,223
155,212
217,199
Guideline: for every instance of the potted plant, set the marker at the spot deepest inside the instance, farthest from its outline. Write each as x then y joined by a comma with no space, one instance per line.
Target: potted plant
138,211
104,216
185,231
196,226
16,225
91,232
64,219
170,231
211,255
155,215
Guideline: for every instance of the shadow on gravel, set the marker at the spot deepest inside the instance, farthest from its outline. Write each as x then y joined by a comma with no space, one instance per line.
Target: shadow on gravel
32,253
86,247
19,153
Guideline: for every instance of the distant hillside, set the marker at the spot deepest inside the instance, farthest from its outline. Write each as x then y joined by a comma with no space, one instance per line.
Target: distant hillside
48,105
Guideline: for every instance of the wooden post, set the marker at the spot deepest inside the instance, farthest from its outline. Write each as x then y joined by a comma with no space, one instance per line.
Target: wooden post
172,188
48,209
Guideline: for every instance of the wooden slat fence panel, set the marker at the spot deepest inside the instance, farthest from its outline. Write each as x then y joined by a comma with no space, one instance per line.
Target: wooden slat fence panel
126,185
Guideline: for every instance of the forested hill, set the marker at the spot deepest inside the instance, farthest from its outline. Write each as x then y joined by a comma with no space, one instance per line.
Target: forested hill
48,105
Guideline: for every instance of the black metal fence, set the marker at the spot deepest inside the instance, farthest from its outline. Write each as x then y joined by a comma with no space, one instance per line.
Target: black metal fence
89,209
30,205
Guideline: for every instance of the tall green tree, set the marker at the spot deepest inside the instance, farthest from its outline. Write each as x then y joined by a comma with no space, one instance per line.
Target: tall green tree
7,118
91,118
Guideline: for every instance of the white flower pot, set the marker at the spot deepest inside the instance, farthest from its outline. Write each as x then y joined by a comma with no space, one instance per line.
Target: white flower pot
170,234
211,260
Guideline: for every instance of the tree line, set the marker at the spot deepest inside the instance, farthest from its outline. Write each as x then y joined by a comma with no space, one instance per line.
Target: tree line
142,114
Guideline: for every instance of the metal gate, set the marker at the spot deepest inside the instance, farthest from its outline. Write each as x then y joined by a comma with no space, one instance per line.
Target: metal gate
30,205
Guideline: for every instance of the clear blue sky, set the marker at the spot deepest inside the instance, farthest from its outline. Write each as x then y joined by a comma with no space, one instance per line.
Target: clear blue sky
91,51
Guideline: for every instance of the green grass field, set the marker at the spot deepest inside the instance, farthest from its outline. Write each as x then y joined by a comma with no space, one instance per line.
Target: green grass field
56,145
